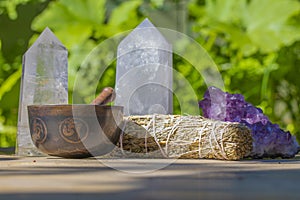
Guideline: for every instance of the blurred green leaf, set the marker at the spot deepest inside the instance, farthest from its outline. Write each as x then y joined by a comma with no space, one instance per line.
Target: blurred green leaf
123,12
10,6
73,21
90,11
158,3
122,18
228,11
7,85
7,135
257,25
267,23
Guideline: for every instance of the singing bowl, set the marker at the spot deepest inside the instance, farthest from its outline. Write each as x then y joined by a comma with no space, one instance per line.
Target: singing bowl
75,131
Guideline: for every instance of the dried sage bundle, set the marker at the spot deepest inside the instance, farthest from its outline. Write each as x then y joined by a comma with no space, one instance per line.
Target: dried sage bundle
176,136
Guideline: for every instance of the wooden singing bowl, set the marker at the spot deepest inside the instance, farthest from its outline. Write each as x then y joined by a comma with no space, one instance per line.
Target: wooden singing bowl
75,131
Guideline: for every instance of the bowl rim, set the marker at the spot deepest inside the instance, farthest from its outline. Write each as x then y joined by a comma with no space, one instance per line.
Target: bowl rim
73,105
72,109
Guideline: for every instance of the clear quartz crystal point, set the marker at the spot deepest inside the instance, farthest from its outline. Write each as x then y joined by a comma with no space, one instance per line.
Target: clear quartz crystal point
144,72
44,81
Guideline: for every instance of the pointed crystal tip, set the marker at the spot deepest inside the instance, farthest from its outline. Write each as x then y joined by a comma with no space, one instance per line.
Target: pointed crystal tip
145,24
145,35
47,37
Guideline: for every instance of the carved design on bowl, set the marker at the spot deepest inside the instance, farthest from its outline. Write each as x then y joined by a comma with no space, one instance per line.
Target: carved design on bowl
39,131
73,130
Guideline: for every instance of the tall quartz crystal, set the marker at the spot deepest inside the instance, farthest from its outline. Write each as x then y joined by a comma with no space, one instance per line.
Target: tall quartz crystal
44,81
144,72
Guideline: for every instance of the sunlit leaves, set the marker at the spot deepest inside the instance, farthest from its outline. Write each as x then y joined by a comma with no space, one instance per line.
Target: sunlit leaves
267,25
7,85
72,20
123,17
89,11
10,7
254,25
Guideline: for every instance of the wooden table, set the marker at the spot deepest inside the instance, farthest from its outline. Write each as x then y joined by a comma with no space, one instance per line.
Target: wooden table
52,178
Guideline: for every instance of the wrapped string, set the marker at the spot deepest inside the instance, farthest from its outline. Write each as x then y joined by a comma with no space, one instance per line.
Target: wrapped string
178,136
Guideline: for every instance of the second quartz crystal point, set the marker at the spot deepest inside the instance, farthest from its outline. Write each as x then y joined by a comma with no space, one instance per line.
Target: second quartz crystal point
144,72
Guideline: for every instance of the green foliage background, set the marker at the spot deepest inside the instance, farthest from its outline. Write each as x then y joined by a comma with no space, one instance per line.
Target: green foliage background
255,44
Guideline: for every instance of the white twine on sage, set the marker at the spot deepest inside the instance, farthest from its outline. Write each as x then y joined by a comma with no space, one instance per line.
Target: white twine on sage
185,137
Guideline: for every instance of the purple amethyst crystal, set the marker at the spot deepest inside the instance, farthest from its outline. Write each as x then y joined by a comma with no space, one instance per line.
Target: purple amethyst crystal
268,139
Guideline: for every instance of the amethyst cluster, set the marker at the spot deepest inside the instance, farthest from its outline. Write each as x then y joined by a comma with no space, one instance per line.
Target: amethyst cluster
268,139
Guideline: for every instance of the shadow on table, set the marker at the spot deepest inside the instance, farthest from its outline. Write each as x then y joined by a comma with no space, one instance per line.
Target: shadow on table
248,184
37,171
7,151
135,166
